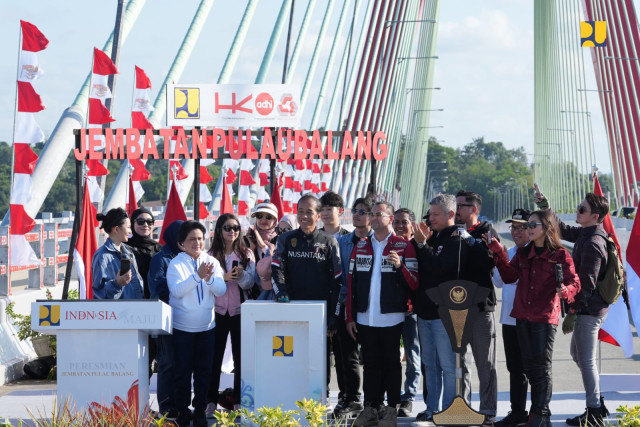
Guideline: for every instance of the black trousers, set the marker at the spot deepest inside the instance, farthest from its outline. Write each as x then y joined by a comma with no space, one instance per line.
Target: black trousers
382,366
517,379
345,350
536,343
226,325
193,354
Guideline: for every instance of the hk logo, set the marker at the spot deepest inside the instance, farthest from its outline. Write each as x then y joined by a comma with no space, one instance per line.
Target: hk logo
49,315
282,346
593,33
187,103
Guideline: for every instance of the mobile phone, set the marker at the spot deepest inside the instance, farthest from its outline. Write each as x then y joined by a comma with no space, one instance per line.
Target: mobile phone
125,266
489,236
536,188
234,264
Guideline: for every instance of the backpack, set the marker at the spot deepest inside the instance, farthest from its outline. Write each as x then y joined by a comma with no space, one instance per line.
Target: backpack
612,284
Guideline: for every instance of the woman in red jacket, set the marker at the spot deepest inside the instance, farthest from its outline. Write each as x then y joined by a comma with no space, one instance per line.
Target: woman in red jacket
536,307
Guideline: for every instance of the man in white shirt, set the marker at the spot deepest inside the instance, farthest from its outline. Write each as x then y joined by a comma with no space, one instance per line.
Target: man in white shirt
382,270
518,415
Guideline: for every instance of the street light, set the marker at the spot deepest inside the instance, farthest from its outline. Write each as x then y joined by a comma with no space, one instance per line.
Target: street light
390,23
621,57
433,109
429,127
588,113
594,90
409,89
402,58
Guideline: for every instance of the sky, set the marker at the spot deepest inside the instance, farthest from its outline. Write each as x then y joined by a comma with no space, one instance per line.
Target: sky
485,65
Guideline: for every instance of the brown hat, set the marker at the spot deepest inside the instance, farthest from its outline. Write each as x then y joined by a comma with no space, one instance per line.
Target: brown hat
520,216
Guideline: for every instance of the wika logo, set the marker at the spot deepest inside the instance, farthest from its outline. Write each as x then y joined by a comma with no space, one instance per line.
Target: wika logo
282,346
593,33
187,103
49,315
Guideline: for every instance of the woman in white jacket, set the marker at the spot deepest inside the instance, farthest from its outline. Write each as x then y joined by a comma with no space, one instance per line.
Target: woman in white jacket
194,279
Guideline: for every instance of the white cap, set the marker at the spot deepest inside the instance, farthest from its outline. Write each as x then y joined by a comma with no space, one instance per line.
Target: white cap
266,207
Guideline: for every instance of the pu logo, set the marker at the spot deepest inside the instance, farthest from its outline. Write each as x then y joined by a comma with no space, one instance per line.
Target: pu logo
282,346
49,315
187,103
593,33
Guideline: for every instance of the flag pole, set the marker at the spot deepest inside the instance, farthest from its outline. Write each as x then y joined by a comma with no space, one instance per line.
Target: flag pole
196,179
76,220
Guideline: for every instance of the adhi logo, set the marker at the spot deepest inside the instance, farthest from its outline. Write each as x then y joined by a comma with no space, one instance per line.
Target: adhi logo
264,104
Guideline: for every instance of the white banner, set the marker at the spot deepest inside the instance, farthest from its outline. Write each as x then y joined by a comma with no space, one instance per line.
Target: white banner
246,106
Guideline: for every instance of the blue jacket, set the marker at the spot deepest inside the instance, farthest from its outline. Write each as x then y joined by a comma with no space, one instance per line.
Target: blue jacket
105,266
157,277
345,243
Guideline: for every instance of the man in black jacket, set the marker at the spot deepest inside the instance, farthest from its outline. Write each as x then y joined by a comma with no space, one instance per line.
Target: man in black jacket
441,257
306,265
587,314
483,337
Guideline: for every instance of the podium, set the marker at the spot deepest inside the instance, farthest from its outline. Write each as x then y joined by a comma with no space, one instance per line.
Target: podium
102,346
284,350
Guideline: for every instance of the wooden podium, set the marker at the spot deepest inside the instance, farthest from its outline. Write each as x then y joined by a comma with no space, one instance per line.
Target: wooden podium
102,346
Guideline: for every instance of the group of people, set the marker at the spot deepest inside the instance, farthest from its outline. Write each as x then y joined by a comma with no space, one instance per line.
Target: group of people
374,281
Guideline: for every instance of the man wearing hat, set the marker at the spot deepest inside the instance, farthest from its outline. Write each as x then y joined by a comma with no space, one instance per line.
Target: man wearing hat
517,379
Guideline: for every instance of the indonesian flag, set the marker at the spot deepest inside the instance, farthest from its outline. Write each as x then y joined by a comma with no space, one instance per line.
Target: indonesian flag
225,203
26,131
173,211
276,199
244,191
263,172
203,211
86,245
205,194
99,91
633,273
287,203
32,39
132,203
616,329
140,172
141,93
180,172
326,177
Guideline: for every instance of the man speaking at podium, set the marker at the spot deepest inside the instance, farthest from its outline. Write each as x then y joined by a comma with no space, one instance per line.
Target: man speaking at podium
306,264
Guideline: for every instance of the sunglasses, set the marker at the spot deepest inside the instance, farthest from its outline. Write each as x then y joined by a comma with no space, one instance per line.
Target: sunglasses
581,209
141,221
282,230
378,214
358,212
518,227
267,216
532,224
229,228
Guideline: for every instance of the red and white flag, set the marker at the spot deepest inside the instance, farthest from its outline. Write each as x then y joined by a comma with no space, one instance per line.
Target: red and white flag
26,131
244,190
86,245
633,272
615,329
99,91
225,201
173,211
132,203
276,199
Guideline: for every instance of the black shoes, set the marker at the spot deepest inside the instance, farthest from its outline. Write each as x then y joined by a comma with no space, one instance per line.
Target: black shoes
348,409
513,419
592,417
200,418
368,416
405,408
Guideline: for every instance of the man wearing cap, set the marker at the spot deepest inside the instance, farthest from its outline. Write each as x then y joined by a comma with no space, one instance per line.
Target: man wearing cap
517,379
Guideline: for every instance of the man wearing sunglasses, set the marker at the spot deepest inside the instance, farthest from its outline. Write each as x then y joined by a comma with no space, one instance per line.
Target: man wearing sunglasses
483,336
588,312
349,369
518,415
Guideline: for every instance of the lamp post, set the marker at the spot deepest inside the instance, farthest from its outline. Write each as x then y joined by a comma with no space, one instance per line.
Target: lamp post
403,58
413,89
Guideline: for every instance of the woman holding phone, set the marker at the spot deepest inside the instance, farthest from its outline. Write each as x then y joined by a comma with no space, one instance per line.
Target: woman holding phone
261,240
114,268
195,282
536,306
238,264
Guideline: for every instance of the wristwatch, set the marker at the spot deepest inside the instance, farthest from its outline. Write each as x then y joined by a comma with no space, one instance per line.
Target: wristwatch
421,244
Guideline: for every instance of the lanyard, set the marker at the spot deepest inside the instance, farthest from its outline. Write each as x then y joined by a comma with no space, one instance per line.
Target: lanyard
200,290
